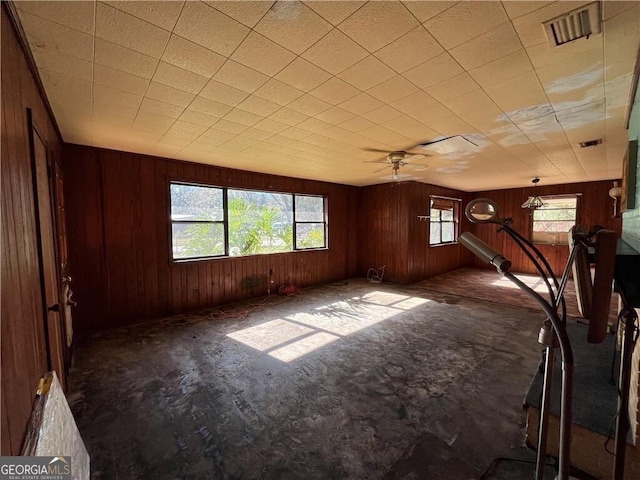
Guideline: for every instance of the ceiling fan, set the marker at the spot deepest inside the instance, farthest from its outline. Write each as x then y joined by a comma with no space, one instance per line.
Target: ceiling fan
398,159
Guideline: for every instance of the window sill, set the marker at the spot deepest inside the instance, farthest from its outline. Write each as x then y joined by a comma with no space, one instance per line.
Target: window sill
230,257
443,244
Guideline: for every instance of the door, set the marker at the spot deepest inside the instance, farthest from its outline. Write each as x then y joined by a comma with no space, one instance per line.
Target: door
49,278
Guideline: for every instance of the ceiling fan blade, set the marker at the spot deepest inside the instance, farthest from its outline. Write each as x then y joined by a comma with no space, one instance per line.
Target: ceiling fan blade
380,169
419,166
375,150
382,160
414,157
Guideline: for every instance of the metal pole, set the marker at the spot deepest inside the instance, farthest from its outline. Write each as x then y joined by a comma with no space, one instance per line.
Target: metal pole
541,456
629,318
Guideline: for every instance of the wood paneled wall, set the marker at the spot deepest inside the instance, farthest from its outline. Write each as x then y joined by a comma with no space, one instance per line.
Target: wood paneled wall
391,234
595,208
24,358
119,241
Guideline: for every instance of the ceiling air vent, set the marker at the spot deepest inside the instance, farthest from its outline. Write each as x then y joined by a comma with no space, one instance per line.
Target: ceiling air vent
582,22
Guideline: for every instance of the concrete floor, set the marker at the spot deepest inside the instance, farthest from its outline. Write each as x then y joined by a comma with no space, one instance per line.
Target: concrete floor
357,381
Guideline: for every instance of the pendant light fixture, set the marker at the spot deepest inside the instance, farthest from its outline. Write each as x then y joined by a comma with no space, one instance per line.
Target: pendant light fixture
534,201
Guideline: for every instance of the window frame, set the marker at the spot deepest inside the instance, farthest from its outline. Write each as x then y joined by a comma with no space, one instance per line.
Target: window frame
562,239
457,202
225,221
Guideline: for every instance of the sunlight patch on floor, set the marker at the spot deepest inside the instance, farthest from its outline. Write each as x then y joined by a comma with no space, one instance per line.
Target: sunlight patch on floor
298,334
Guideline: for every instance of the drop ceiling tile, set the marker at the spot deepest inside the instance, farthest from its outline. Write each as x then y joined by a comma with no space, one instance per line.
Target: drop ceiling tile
198,118
529,26
178,135
523,93
479,110
453,87
410,128
278,92
161,14
76,15
243,117
613,9
303,75
105,110
269,125
55,61
116,96
153,119
123,29
187,127
295,133
255,133
335,52
465,21
223,93
423,11
357,124
263,55
117,79
335,115
490,46
518,9
246,12
280,140
152,106
623,34
377,24
360,104
386,136
334,91
120,58
288,117
367,73
191,56
230,127
434,71
334,12
239,76
209,107
309,105
410,50
195,24
416,101
171,95
293,25
179,78
48,35
219,134
258,106
502,69
145,127
382,114
393,89
313,125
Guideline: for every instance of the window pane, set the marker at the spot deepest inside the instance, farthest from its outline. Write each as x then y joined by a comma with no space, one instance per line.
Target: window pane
309,209
563,226
259,222
310,235
435,215
560,214
447,215
447,232
192,202
434,233
560,202
197,239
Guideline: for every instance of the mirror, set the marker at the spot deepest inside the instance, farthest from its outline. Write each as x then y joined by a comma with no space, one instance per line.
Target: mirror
482,210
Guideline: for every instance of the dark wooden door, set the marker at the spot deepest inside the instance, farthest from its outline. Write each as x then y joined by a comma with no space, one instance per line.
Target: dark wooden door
50,279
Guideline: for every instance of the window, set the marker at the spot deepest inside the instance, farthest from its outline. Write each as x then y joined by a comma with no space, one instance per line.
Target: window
212,222
552,221
443,220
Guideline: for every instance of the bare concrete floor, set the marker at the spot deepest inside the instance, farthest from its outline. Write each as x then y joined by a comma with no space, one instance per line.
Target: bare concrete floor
357,381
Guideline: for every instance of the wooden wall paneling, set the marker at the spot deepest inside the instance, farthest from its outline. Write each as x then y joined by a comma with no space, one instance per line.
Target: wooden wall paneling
594,208
23,351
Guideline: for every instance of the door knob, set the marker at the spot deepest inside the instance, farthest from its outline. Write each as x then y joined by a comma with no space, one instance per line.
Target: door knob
54,308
